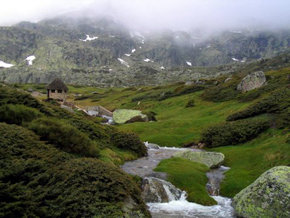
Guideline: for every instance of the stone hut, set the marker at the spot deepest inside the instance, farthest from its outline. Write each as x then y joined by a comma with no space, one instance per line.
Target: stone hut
57,90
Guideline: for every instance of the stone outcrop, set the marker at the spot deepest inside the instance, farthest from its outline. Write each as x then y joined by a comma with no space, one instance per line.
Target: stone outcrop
252,81
159,191
122,116
210,159
268,196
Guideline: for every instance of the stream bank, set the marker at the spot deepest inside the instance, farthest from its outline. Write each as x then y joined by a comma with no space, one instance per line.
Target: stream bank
165,200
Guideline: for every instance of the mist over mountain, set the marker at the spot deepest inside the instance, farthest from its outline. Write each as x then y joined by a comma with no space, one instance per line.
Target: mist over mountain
128,42
102,51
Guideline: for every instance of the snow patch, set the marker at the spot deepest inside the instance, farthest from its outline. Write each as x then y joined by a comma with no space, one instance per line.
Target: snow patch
133,50
162,68
235,59
188,63
30,59
123,62
88,38
147,60
5,65
128,55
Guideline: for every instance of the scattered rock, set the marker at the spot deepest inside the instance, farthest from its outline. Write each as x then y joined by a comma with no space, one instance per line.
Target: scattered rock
121,116
268,196
159,191
227,79
252,81
211,159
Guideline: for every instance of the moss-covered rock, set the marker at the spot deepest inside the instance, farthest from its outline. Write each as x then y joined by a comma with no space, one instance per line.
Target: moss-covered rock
121,116
210,159
268,196
252,81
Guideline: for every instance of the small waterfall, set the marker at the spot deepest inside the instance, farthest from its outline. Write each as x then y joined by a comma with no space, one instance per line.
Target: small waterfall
215,177
158,191
164,199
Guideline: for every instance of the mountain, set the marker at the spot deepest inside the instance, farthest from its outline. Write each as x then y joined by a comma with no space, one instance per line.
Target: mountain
103,52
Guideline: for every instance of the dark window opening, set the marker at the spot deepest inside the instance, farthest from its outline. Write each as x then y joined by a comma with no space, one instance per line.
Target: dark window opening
59,91
52,91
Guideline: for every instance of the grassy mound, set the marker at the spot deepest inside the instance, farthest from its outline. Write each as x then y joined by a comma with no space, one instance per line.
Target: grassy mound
189,176
250,160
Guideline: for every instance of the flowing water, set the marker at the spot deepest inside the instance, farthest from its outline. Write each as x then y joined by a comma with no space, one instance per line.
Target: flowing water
164,200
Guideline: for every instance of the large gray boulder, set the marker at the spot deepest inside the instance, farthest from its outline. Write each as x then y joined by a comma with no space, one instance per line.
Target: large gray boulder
252,81
268,196
210,159
158,191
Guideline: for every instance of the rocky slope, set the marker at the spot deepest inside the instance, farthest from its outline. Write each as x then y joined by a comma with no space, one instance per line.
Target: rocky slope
103,52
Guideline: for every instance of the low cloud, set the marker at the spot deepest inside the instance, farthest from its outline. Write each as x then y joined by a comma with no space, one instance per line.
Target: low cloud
159,14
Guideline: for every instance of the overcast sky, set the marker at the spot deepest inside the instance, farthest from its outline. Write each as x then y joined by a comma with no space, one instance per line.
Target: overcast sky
158,14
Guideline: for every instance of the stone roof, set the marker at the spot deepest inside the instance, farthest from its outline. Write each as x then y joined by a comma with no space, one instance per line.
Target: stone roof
57,84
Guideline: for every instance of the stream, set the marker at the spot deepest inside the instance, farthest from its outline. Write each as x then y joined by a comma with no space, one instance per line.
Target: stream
164,200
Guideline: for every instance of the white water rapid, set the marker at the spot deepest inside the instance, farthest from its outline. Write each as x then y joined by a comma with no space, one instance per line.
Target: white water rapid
176,207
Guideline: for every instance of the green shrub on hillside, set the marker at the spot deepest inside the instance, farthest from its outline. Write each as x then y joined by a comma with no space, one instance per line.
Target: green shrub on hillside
232,133
275,103
13,96
38,180
64,136
222,92
190,103
129,141
16,114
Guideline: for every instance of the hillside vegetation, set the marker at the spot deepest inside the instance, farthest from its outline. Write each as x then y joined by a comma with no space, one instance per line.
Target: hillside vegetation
251,128
60,164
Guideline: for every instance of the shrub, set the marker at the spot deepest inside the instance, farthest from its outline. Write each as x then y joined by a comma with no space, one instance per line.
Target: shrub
129,141
16,114
190,103
222,92
151,115
232,133
275,103
12,96
64,136
38,180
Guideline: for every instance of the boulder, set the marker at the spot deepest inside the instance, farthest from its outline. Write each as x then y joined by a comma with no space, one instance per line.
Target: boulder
159,191
210,159
136,119
252,81
268,196
121,116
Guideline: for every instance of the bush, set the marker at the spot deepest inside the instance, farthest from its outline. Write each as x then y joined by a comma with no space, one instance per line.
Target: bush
64,136
232,133
17,114
275,103
151,115
222,92
129,141
12,96
190,103
38,180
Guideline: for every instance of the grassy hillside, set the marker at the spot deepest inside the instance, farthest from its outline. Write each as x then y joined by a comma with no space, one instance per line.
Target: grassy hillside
238,120
60,164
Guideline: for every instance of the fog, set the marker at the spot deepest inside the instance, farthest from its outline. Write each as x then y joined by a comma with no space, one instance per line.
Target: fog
153,15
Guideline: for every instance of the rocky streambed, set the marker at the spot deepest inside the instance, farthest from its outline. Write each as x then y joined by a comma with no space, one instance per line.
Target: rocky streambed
164,199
